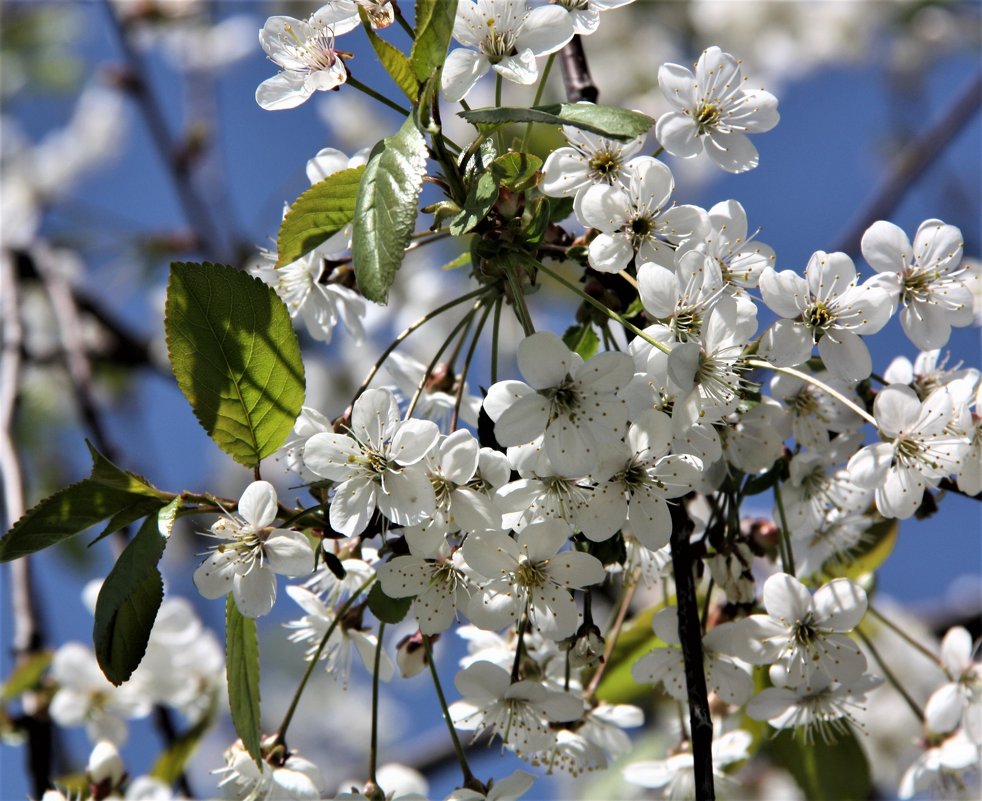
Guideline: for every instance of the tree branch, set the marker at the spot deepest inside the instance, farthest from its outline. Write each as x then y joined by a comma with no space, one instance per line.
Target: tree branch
576,73
690,635
911,163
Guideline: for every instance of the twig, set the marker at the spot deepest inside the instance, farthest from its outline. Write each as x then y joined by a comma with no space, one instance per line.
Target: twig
690,635
28,636
576,74
911,163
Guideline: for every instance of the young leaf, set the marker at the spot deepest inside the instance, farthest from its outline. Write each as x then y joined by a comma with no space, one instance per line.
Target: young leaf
386,609
386,209
481,196
609,121
128,603
242,672
106,473
516,171
26,676
393,59
434,24
71,511
582,339
235,356
318,214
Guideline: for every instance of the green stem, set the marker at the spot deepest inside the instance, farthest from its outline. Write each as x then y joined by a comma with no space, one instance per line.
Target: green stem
598,305
464,321
288,717
538,96
907,638
658,152
810,379
495,331
405,334
457,747
890,677
356,84
499,136
787,556
402,21
518,301
373,748
462,385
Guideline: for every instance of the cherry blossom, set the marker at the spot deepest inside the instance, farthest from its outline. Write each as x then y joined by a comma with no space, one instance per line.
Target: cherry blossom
296,779
252,552
590,160
712,111
960,699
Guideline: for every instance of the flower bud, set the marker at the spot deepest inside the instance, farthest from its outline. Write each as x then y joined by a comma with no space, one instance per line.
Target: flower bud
105,769
588,648
411,655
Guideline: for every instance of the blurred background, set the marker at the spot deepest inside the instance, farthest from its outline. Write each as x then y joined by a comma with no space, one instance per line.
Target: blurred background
130,138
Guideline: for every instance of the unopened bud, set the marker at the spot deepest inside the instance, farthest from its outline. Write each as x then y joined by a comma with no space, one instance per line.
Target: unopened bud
411,654
588,648
105,769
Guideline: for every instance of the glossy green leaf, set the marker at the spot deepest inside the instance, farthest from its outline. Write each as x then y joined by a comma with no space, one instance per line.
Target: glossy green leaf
434,25
481,197
636,639
825,772
393,59
386,609
582,339
71,511
128,603
26,676
609,121
235,356
386,209
106,473
428,97
242,672
318,214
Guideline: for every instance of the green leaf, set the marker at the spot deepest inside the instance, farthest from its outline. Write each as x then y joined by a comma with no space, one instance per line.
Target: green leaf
836,772
386,609
877,544
26,676
393,59
582,339
106,473
461,261
138,509
481,197
516,171
423,110
609,121
172,761
386,209
636,639
235,356
128,603
318,214
763,482
242,671
66,513
434,25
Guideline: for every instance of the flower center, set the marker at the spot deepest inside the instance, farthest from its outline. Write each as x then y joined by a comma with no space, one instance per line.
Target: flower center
819,317
498,45
317,53
803,632
565,398
604,166
530,574
708,116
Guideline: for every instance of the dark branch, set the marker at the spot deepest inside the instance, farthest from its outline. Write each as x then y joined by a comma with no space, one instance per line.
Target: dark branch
690,635
576,73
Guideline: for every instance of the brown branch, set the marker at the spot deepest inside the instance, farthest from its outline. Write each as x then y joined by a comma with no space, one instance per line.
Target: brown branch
690,635
911,163
576,73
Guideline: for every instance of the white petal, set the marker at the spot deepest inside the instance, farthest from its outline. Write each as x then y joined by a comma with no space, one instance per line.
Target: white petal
289,553
258,504
255,591
461,71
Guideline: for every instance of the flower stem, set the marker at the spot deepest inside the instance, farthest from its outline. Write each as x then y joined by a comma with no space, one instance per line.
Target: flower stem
373,747
495,332
907,638
787,556
613,632
405,334
518,299
890,676
810,379
288,717
402,21
538,96
458,748
462,385
356,84
598,305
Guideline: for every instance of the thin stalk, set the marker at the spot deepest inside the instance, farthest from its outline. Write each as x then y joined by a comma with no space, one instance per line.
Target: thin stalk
598,305
538,96
629,278
499,136
495,332
517,664
613,632
402,21
817,383
356,84
890,677
373,748
467,366
405,334
288,717
464,321
787,555
658,152
705,604
518,300
907,638
457,747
